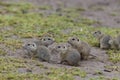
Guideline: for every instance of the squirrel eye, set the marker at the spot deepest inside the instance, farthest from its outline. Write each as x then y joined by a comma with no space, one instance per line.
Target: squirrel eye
33,45
73,39
43,39
28,44
49,39
64,47
59,46
77,39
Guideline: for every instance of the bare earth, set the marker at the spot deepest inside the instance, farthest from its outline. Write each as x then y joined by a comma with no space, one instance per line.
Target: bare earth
107,13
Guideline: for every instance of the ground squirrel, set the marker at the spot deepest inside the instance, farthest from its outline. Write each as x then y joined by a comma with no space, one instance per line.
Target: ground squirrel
41,52
71,57
103,39
45,41
56,49
30,49
83,47
115,42
68,55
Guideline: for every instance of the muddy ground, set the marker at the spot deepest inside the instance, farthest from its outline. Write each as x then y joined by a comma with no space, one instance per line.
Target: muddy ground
106,12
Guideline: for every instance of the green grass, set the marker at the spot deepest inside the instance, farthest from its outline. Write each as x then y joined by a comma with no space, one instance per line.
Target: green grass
2,52
9,70
65,74
20,21
103,78
114,55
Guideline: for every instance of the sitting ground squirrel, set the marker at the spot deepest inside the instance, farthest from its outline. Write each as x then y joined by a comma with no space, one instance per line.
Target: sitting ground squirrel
70,56
103,39
40,52
45,41
115,43
56,49
83,47
30,49
43,53
67,55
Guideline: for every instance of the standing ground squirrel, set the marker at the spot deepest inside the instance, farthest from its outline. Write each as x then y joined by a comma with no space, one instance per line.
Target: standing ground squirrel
83,47
115,43
40,52
103,39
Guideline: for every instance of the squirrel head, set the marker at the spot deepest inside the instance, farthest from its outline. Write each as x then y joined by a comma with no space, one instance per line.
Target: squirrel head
61,47
74,41
98,34
31,46
47,41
